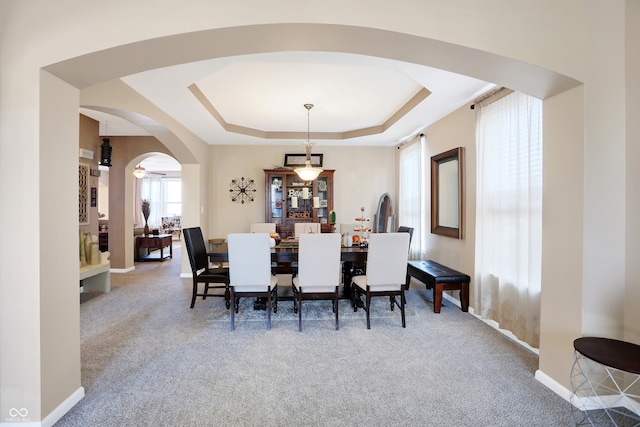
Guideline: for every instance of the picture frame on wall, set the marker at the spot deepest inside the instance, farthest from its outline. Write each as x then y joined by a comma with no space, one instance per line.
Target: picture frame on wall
295,160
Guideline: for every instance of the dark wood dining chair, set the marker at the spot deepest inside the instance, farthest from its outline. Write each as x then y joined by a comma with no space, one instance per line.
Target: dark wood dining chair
211,277
405,229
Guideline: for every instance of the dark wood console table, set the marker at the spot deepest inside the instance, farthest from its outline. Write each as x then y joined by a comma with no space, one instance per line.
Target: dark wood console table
152,243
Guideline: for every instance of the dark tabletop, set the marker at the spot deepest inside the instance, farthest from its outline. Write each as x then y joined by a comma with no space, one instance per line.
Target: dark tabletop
617,354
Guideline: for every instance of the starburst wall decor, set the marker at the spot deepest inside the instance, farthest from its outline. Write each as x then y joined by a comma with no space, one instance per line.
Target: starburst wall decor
242,190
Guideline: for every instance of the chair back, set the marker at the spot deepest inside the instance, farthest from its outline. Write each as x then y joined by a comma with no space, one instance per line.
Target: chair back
306,227
196,248
348,228
319,259
249,259
262,227
404,229
387,258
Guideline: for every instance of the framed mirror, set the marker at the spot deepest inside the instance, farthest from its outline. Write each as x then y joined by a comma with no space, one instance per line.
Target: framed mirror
447,193
384,217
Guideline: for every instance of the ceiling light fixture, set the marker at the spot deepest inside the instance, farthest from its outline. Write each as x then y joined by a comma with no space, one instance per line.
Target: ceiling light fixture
308,172
139,171
105,149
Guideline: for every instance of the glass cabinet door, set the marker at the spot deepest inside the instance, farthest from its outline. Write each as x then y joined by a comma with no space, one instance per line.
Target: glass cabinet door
299,196
322,200
276,199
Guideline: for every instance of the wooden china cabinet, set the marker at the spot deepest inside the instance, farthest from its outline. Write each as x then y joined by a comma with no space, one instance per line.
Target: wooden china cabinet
284,190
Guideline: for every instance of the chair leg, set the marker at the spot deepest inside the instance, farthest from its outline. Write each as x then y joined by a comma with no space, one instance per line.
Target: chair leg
269,309
227,297
367,307
233,312
392,301
402,304
300,311
206,291
193,293
336,308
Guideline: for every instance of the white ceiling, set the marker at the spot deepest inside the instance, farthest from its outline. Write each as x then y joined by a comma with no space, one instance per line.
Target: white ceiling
259,98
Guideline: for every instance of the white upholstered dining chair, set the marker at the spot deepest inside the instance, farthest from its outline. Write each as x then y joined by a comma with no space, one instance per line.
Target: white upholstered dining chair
250,271
262,227
306,227
318,271
386,274
265,227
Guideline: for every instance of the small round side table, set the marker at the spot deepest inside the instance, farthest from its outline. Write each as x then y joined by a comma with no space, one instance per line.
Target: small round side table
605,382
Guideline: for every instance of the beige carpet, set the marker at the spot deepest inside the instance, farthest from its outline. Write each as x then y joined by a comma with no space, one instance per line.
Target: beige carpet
149,360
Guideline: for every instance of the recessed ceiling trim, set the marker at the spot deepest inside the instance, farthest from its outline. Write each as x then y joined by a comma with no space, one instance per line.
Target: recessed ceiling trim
420,96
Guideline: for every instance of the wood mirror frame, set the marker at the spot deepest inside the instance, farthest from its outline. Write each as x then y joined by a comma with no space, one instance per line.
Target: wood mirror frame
384,217
447,193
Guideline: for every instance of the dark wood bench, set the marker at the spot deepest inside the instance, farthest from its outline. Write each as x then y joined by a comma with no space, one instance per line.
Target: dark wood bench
440,278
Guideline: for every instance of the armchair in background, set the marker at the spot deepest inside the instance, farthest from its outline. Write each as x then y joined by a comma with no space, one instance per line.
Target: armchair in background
172,225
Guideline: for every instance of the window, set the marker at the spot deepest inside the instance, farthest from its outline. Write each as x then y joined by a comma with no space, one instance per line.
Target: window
172,196
509,214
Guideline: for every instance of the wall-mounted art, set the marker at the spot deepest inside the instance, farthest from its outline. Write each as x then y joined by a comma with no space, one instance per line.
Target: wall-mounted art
295,160
242,190
83,194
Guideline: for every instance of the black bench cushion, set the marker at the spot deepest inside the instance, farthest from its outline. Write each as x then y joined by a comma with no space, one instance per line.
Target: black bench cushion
438,272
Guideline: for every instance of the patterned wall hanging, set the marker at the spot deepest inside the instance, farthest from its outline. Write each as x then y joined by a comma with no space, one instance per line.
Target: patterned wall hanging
83,194
242,190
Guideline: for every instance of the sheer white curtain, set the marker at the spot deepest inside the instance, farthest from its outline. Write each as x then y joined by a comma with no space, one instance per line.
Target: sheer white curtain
148,188
410,203
509,214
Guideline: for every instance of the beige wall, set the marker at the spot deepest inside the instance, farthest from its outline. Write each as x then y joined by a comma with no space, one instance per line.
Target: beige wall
632,157
50,322
562,232
127,153
584,41
455,130
89,140
361,176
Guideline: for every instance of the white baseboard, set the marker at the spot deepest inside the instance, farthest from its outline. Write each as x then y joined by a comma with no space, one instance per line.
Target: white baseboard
63,408
122,270
186,275
553,385
492,323
53,417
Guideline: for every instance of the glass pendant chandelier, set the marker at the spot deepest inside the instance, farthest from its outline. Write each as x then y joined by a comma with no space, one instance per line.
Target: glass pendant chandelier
308,172
139,171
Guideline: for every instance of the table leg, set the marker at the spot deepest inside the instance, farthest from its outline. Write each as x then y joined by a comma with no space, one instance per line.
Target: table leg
437,298
464,297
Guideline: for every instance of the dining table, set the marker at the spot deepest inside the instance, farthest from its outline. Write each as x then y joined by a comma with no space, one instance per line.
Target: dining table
285,254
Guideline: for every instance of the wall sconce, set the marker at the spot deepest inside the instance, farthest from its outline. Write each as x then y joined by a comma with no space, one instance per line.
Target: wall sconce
105,153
